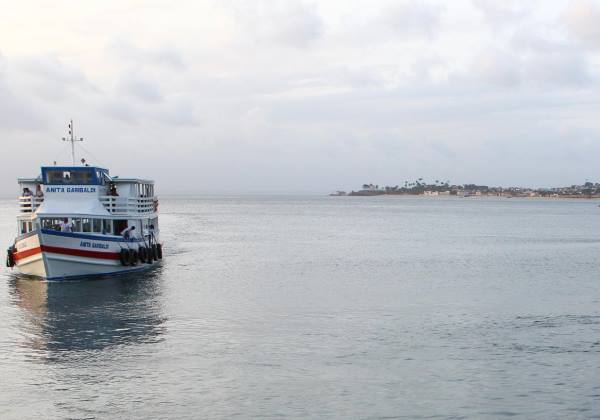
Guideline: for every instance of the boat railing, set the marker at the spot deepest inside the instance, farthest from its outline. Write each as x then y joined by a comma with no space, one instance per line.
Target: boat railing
29,203
129,205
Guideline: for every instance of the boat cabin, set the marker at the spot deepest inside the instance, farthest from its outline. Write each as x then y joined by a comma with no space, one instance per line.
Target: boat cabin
92,201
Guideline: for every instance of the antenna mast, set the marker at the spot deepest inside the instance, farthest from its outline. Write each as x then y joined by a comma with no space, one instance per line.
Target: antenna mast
72,139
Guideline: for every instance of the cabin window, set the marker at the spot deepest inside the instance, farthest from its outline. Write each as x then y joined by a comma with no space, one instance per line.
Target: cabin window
81,176
107,226
25,227
54,177
86,225
97,225
101,177
53,224
76,224
144,190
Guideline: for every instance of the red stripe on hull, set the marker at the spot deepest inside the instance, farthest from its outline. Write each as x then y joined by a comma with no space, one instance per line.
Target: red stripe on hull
66,251
27,253
81,252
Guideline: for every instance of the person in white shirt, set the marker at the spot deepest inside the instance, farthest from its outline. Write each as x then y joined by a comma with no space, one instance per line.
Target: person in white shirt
128,233
65,225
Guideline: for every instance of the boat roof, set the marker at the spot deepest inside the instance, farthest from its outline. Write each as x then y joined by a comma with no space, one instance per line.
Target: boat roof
83,206
116,179
70,168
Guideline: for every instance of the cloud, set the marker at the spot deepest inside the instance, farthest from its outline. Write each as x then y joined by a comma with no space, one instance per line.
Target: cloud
558,69
18,110
53,69
120,111
52,77
166,56
498,67
534,57
178,112
377,89
290,23
582,19
413,19
499,13
18,113
135,85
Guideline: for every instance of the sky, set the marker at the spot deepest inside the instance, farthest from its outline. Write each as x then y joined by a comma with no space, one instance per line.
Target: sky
267,96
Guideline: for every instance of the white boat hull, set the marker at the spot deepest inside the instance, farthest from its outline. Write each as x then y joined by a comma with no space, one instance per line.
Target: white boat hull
55,255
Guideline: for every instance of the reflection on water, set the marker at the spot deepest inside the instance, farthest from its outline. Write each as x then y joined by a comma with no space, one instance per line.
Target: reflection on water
62,317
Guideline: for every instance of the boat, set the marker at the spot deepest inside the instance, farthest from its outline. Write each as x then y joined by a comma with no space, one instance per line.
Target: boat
78,221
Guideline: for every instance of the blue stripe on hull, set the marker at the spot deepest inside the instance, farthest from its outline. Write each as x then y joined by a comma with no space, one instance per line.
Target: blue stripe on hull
92,237
95,276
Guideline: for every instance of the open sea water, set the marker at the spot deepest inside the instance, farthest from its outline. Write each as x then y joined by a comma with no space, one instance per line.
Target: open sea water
321,307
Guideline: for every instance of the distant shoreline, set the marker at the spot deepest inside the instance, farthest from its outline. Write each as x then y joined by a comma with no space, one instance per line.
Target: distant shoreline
588,190
561,197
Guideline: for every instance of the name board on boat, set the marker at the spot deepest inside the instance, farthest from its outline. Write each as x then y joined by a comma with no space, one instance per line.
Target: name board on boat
70,189
86,244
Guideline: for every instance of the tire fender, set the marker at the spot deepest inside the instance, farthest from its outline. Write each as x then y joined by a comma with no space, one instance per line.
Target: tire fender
124,256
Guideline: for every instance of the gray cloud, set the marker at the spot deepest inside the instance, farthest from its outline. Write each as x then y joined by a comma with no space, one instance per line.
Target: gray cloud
120,111
291,23
52,69
178,112
51,77
511,12
581,18
558,69
549,69
167,56
498,67
17,110
17,113
135,85
413,19
310,96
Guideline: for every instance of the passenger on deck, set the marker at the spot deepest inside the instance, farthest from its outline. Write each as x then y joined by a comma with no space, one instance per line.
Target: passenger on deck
27,192
151,233
65,225
38,191
112,190
128,233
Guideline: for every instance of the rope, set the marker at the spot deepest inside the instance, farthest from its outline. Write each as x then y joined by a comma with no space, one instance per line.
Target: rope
61,153
93,156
